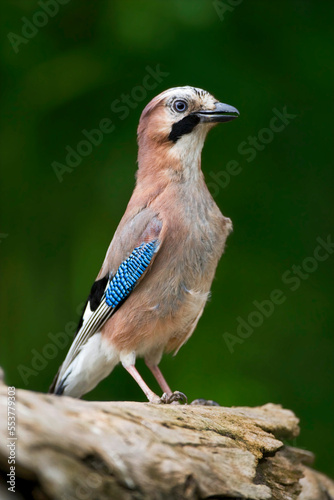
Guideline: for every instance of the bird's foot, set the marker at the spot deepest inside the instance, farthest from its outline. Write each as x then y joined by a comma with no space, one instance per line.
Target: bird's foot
154,399
204,402
175,397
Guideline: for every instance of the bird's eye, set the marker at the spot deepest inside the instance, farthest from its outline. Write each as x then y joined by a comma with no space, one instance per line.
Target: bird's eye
180,106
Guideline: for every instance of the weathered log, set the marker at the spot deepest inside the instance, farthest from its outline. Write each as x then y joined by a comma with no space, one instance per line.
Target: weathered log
73,449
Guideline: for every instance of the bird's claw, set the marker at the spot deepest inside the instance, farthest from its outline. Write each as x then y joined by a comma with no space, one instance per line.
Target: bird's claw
204,402
176,396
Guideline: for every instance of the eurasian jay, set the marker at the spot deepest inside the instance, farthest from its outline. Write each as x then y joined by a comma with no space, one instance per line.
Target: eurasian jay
157,273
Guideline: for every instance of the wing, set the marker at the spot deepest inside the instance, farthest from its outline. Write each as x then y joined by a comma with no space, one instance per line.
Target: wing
138,240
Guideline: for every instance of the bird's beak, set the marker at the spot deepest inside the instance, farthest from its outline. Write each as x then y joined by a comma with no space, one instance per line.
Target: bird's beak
221,113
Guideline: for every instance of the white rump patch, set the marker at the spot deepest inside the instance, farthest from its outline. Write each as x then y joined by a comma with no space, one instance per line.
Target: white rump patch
95,361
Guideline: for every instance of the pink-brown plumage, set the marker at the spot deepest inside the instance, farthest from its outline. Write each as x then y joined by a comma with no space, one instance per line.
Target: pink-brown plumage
172,204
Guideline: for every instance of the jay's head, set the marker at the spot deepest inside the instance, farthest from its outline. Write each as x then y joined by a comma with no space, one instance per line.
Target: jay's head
178,119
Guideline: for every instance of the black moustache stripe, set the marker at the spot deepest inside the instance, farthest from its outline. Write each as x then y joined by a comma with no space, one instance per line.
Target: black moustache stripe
182,127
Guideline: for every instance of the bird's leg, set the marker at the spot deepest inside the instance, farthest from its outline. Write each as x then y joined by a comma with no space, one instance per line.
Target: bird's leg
159,377
168,396
151,396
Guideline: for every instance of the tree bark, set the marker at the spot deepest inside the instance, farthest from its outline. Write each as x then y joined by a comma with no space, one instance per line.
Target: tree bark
73,449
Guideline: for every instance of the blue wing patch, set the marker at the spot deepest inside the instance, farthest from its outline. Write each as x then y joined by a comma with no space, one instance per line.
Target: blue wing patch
129,273
119,288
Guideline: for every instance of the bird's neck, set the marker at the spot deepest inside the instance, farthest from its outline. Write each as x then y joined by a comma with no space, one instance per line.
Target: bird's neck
167,162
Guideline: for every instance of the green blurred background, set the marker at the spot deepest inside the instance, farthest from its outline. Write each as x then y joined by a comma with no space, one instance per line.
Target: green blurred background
257,56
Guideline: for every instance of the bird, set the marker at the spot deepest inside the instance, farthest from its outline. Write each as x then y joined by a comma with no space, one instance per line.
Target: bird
157,273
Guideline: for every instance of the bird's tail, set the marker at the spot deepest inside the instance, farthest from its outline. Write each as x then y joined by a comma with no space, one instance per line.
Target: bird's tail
94,361
53,386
